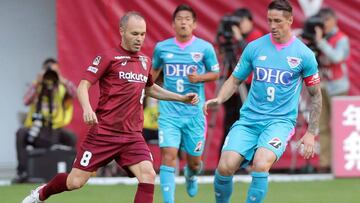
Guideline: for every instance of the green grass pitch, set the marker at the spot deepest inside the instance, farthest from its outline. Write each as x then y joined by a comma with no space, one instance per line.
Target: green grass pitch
331,191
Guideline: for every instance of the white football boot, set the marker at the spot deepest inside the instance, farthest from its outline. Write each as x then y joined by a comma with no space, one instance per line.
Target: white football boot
33,197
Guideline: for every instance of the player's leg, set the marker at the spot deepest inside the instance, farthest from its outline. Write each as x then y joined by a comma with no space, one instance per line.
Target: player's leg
229,163
238,150
271,145
191,170
88,159
169,142
262,163
135,157
193,141
60,183
145,173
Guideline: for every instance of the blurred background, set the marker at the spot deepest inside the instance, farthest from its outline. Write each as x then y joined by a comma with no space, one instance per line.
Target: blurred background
73,32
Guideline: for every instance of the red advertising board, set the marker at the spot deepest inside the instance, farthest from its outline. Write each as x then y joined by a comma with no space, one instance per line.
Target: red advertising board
346,136
85,28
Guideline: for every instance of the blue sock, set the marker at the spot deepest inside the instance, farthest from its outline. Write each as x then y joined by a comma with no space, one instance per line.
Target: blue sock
223,188
167,183
189,173
258,187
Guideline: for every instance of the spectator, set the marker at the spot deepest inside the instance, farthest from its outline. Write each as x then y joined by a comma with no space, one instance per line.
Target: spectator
333,46
243,33
151,114
44,123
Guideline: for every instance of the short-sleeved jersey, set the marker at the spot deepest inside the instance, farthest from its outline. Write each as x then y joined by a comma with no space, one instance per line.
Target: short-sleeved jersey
122,77
177,62
278,77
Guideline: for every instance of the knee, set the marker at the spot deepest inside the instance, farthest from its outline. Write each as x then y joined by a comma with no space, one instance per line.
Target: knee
195,165
147,176
225,169
169,159
74,183
261,166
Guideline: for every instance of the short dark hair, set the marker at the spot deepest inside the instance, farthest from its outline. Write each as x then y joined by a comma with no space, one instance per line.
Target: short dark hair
48,62
243,13
184,7
124,20
281,5
325,12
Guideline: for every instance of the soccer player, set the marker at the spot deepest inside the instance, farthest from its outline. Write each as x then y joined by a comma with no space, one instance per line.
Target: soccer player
187,63
280,63
116,126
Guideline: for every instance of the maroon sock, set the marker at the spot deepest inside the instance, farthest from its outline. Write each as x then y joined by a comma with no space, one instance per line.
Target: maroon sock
144,193
56,185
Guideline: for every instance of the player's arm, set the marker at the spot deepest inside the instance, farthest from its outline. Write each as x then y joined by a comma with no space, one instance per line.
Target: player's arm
227,90
210,76
157,63
155,72
89,115
315,109
212,68
158,92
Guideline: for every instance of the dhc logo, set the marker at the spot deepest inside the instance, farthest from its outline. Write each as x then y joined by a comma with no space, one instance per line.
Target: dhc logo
273,76
180,69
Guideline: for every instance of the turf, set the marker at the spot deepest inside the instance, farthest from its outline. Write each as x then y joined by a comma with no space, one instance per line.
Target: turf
333,191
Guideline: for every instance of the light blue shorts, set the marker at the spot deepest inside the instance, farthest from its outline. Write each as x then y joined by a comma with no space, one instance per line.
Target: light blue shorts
186,133
246,136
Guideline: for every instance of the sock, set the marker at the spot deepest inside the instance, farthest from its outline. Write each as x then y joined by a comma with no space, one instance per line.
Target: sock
258,187
55,186
144,193
167,183
223,188
188,172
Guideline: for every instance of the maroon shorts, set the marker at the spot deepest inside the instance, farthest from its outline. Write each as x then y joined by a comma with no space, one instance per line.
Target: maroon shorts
97,151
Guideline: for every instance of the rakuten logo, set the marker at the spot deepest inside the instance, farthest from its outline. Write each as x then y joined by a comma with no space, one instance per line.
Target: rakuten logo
133,77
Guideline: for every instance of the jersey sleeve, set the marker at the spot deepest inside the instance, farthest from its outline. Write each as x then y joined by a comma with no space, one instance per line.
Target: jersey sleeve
97,68
150,81
211,62
244,66
310,65
156,60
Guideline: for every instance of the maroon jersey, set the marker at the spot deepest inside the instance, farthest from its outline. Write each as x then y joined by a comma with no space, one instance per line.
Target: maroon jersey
122,77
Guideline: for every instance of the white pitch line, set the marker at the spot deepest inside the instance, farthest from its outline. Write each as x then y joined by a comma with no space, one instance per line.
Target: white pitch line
210,179
203,179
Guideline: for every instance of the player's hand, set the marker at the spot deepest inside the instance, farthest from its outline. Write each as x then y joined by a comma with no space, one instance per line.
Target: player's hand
193,77
191,98
212,103
89,117
308,142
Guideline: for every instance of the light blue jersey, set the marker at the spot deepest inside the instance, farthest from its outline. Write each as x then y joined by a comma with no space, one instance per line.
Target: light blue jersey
268,117
278,77
177,62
